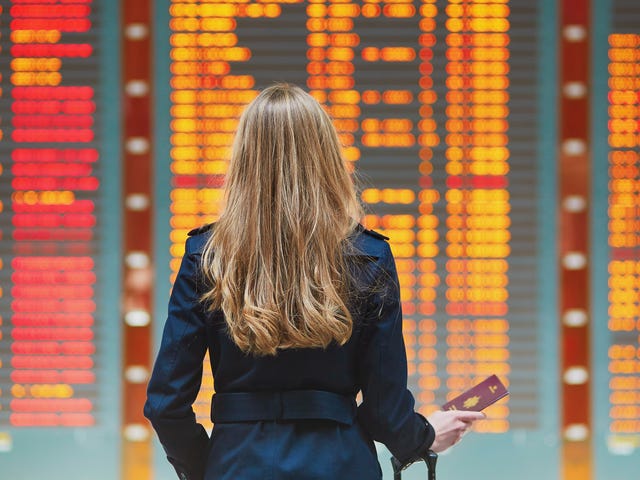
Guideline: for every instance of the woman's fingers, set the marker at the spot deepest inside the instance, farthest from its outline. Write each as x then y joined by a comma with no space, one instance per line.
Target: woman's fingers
467,416
450,427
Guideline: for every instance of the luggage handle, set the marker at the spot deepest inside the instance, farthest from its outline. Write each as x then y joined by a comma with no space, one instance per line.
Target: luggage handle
430,459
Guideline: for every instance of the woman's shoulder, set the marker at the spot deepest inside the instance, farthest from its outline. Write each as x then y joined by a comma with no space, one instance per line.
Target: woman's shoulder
197,238
204,229
369,242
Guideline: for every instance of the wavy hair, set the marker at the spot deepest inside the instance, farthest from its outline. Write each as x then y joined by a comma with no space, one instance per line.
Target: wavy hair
275,262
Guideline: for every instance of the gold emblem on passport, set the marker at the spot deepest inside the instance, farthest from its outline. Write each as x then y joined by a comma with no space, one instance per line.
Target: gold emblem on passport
479,397
469,403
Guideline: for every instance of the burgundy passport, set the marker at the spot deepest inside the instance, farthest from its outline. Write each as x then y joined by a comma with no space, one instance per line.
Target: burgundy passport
479,397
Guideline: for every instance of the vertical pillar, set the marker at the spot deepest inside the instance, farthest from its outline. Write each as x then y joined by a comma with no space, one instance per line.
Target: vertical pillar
574,219
137,235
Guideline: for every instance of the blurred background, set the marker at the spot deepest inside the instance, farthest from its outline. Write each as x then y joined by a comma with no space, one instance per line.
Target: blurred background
496,144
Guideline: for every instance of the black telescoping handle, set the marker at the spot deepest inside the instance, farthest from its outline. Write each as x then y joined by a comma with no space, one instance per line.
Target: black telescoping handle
430,459
397,468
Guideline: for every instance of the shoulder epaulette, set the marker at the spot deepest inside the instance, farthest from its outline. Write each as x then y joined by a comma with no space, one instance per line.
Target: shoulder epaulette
375,234
199,230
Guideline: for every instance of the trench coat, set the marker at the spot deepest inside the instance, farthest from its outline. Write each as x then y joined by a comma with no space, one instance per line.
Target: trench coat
372,362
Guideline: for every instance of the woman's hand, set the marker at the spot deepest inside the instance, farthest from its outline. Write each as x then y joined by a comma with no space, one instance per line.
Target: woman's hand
450,426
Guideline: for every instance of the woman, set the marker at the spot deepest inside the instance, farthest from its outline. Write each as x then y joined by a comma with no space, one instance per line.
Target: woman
299,307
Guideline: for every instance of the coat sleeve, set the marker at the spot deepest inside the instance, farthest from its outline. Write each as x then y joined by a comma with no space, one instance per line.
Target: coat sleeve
387,410
177,375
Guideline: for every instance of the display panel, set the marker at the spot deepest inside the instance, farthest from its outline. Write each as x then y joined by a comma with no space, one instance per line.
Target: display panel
616,233
58,359
437,104
624,237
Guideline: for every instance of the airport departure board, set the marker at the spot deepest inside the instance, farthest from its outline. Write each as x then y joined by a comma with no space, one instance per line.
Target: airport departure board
438,107
624,235
616,233
434,103
58,356
51,141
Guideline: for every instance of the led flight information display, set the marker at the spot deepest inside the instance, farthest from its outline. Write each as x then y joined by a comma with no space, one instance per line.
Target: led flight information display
623,239
434,103
53,369
50,215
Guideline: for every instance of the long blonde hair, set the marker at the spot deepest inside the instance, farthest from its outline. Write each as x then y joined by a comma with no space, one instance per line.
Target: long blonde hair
275,261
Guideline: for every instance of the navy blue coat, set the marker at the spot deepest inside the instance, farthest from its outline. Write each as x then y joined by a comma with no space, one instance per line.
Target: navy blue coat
373,361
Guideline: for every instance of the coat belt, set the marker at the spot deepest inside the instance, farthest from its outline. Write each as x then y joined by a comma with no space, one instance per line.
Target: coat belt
287,405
